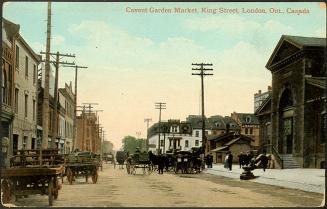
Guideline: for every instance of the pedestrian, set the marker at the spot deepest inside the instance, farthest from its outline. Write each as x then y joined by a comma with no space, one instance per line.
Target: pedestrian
226,160
241,159
207,160
230,160
161,164
264,161
210,160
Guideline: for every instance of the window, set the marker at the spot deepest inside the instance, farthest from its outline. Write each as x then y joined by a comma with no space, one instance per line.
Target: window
34,110
25,142
248,119
186,143
16,100
246,130
206,132
17,57
161,143
4,84
196,133
251,130
196,143
26,66
34,74
26,103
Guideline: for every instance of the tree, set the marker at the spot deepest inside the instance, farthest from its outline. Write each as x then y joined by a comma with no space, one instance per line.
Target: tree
130,143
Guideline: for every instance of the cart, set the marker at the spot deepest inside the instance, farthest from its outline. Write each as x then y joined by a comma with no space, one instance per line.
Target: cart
139,161
82,164
120,157
31,173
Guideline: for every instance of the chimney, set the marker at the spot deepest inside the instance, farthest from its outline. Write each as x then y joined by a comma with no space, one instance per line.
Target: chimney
259,92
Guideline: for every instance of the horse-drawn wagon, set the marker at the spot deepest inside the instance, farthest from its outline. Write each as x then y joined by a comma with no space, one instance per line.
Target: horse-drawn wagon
120,158
139,160
32,172
82,164
187,162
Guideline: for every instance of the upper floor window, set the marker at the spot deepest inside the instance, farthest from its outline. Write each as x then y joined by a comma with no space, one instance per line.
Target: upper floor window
16,100
17,57
26,105
196,143
248,119
34,74
246,131
26,66
251,130
196,133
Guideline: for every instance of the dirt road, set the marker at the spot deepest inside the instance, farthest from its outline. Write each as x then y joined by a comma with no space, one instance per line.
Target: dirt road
115,188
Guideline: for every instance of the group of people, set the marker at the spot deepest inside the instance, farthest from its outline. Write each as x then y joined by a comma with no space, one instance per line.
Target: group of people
249,160
244,159
228,160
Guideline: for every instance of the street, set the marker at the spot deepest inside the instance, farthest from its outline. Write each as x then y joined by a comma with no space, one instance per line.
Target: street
115,188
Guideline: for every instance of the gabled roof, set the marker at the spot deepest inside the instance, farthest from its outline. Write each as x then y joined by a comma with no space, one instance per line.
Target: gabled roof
319,82
297,41
244,116
10,27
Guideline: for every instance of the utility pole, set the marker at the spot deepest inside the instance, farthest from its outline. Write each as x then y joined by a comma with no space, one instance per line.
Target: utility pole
202,73
98,129
45,103
147,120
75,106
160,106
55,102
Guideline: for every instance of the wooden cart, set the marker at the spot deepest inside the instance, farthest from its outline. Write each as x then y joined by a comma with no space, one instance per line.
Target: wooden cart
82,164
31,180
139,161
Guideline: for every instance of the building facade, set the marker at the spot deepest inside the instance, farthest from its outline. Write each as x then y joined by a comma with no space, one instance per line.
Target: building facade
249,126
25,95
260,97
298,114
87,132
9,33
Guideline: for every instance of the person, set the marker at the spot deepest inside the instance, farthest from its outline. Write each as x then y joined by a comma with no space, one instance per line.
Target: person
241,159
161,164
210,160
226,160
264,161
230,160
207,160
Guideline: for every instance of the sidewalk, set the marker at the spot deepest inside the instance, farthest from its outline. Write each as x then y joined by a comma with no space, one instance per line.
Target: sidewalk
306,179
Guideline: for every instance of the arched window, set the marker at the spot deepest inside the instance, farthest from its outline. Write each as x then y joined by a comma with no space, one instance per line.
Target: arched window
248,119
286,99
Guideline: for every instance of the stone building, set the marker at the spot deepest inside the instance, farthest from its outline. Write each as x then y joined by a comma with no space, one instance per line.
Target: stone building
25,95
9,33
67,96
249,126
298,102
260,97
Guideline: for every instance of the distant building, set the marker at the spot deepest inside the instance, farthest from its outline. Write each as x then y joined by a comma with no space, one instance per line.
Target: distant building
108,147
249,126
298,101
259,98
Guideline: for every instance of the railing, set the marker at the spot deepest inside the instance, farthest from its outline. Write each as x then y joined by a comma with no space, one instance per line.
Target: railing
271,149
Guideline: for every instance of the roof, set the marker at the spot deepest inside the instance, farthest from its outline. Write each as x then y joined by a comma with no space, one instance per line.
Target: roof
10,27
263,105
299,42
247,118
317,81
196,122
219,149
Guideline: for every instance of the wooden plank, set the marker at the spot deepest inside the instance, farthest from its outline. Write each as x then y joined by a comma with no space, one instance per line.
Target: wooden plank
31,171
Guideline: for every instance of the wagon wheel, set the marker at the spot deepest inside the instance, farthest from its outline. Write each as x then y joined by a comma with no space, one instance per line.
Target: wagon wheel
50,192
69,175
150,169
5,187
95,176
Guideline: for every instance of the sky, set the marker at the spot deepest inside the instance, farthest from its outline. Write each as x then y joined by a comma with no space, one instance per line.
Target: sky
136,59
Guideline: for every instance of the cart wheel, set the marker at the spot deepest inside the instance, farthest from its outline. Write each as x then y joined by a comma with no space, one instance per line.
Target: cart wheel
50,192
95,177
69,175
5,187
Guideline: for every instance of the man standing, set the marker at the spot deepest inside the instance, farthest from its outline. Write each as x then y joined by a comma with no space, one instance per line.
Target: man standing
230,160
241,159
264,161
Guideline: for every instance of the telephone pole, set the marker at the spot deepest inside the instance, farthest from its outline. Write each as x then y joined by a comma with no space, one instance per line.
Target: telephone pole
160,106
45,103
202,73
55,104
75,106
147,120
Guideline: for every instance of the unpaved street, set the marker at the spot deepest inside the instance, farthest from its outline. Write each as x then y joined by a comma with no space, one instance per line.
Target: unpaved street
115,188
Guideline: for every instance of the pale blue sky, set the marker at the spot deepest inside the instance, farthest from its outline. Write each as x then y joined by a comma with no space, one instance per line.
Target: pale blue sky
136,60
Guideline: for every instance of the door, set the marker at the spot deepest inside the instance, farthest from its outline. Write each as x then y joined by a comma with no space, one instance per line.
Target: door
288,135
15,143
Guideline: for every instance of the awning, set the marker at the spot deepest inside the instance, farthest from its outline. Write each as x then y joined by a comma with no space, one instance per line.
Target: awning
219,149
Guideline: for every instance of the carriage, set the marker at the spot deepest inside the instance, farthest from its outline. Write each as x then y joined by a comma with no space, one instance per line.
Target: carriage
32,172
120,158
108,157
82,164
187,162
139,160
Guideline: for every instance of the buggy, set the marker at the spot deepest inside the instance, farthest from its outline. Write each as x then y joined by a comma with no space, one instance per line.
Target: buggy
139,160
